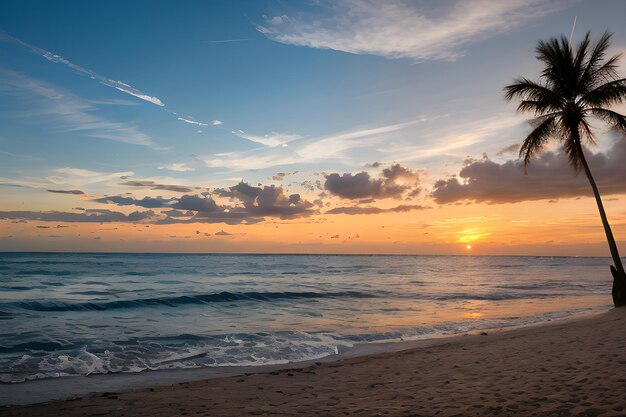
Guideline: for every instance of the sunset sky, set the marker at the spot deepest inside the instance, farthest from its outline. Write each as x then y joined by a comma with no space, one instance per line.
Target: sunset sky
285,126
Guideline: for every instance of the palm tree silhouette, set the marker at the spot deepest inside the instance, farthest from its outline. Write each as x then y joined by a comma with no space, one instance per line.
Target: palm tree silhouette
575,85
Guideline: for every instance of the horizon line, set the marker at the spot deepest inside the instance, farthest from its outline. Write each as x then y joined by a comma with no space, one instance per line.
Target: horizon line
293,254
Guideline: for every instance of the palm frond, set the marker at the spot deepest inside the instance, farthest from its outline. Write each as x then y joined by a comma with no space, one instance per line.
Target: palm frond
586,132
532,91
613,118
558,73
593,64
536,140
534,106
607,72
607,94
575,84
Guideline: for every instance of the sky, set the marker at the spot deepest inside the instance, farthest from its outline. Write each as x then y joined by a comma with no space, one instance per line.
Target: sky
291,127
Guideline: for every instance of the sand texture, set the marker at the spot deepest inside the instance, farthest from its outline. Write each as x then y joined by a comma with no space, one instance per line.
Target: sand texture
573,368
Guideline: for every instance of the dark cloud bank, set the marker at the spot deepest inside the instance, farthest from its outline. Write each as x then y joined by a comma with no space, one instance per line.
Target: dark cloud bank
549,177
393,182
249,204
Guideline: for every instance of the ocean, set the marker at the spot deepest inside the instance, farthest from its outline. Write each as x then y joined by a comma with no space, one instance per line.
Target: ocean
64,314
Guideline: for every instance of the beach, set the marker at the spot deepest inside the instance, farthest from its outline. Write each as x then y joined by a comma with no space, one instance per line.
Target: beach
571,367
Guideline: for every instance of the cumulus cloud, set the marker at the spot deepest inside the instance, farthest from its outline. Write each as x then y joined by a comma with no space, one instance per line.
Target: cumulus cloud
178,213
249,204
549,177
403,29
75,192
186,202
86,216
268,201
279,176
392,183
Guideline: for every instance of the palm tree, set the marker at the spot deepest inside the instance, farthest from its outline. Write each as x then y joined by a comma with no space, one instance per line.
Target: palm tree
575,86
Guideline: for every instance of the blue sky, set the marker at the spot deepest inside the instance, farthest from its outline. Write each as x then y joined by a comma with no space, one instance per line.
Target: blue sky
203,94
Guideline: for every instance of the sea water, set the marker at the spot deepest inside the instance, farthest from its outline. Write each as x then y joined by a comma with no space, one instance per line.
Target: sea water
65,314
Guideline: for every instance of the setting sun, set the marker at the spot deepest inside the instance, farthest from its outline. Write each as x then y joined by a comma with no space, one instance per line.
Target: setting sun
468,247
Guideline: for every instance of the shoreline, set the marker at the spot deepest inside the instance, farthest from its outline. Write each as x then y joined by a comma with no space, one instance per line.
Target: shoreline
144,385
70,387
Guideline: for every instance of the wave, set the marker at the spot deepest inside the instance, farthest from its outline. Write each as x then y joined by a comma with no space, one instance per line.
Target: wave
183,300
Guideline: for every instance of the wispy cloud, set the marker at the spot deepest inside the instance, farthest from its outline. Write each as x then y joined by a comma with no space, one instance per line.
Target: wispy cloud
116,84
177,167
403,29
80,177
57,59
270,139
64,111
303,150
461,137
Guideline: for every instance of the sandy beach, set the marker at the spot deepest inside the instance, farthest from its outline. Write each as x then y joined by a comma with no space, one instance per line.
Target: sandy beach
575,367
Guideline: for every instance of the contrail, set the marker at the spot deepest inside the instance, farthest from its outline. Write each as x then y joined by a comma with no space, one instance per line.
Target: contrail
228,40
571,35
118,85
57,59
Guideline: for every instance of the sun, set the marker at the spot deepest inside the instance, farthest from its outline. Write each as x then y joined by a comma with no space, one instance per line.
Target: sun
468,247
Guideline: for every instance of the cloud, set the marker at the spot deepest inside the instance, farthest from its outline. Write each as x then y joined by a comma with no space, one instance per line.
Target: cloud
228,40
271,139
279,176
249,204
177,167
268,201
455,137
76,192
115,84
178,213
80,177
356,210
333,146
87,216
392,183
403,29
186,202
223,233
156,186
66,112
193,122
512,149
549,177
57,59
146,202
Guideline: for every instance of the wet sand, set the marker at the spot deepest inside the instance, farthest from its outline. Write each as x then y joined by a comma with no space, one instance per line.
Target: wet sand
570,368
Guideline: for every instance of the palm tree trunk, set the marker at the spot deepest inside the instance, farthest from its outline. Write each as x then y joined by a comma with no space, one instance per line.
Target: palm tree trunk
619,276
